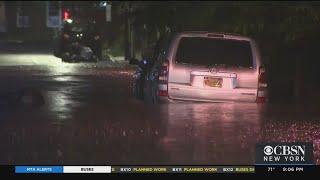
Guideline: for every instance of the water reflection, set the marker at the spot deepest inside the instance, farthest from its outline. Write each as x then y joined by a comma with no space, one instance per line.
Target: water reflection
61,105
206,133
92,125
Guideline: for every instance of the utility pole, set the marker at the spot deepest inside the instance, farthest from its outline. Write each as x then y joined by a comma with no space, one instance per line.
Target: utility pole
126,33
129,32
108,11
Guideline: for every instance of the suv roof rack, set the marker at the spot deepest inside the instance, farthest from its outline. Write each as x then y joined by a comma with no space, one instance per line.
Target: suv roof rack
197,32
213,33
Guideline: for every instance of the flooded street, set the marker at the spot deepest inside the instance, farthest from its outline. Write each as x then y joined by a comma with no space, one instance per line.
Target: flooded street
90,117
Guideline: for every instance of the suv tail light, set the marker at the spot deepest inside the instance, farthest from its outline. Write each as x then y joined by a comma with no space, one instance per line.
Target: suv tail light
163,79
262,86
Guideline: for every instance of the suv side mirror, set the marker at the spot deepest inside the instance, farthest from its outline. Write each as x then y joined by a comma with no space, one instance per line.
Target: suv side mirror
134,61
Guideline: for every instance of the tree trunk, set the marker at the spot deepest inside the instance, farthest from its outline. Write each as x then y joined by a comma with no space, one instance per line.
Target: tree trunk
126,37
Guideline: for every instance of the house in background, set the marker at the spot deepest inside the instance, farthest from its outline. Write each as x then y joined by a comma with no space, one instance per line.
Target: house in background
32,20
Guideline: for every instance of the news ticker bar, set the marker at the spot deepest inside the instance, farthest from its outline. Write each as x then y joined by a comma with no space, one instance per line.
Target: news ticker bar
170,169
134,169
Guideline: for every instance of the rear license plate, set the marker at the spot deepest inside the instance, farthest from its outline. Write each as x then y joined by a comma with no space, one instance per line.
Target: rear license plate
213,82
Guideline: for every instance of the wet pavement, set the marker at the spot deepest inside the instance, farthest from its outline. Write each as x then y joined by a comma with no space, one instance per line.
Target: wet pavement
90,117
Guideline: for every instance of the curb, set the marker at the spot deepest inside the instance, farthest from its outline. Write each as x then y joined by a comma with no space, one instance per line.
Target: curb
12,41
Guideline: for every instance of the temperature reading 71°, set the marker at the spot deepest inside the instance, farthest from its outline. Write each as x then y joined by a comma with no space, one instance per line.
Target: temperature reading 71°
271,168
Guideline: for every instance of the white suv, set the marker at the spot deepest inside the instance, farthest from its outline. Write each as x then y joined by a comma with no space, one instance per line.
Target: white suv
203,66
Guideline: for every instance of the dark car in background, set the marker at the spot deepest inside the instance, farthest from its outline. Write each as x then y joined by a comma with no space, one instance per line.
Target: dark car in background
78,41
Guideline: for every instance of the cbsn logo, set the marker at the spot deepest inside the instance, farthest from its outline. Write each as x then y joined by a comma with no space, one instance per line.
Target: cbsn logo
284,153
289,153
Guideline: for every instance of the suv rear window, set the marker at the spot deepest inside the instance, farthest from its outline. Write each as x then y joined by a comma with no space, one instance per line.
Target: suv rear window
212,51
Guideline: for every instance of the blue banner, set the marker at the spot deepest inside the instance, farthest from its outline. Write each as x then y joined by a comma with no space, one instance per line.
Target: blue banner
38,169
